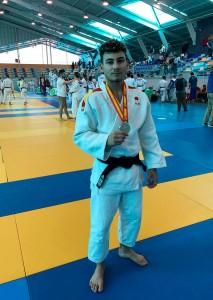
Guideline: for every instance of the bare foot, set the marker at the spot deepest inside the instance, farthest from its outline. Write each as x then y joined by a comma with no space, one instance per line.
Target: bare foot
97,281
127,252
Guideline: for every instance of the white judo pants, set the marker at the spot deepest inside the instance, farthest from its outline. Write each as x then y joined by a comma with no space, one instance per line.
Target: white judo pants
24,94
76,99
32,88
163,94
103,209
7,94
1,96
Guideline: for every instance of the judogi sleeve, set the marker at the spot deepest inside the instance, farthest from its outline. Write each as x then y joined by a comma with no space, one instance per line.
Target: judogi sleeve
73,87
149,142
86,135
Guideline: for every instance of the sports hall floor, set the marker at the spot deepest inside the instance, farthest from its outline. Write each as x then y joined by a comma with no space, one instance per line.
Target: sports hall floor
44,209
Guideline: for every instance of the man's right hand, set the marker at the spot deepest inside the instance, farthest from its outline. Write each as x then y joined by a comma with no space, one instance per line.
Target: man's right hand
116,138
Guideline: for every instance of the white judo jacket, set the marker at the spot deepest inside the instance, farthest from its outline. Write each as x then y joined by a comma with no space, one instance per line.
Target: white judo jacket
97,118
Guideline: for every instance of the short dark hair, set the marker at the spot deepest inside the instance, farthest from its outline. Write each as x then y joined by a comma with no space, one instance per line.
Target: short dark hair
164,77
111,46
192,73
90,78
61,72
77,74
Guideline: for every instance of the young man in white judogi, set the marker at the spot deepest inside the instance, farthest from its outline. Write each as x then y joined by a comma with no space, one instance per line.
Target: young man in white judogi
114,123
162,87
1,91
78,92
140,82
101,79
8,89
31,84
23,87
130,81
85,85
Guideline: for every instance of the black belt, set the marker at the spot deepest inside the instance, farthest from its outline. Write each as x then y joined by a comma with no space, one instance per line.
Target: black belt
113,162
7,87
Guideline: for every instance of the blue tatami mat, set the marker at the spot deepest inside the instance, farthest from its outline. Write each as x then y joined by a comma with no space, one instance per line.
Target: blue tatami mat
180,268
15,290
30,194
34,193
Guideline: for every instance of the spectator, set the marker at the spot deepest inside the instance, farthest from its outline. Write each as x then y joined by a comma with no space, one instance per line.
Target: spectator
185,48
202,94
192,87
62,94
180,85
209,111
209,49
171,88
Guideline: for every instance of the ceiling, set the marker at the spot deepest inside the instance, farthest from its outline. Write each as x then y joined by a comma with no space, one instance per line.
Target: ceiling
54,25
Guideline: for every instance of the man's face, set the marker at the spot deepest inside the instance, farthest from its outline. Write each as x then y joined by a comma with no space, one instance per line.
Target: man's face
114,66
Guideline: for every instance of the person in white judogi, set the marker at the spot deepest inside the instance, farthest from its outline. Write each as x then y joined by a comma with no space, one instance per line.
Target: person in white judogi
163,87
84,80
114,123
140,82
78,92
94,81
54,79
1,91
31,84
130,81
23,87
8,89
101,79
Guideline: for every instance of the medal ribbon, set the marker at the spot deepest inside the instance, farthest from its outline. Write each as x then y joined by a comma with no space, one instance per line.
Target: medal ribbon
123,114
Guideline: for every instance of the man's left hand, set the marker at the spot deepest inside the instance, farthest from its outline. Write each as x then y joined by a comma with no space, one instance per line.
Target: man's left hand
152,178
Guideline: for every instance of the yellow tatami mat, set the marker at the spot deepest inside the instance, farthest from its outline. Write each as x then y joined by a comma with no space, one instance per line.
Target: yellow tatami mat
199,188
34,147
11,263
28,111
3,175
63,230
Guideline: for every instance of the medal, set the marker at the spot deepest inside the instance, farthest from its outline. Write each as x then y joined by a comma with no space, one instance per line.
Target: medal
125,127
123,114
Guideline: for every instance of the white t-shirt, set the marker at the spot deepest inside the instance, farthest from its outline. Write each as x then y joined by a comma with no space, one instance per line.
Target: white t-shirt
61,88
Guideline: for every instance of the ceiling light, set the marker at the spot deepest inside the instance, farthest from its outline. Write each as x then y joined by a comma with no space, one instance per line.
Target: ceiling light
1,11
5,1
61,33
105,3
32,23
86,16
71,26
39,14
49,2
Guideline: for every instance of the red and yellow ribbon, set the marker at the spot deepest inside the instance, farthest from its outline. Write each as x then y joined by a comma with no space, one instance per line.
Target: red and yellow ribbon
123,113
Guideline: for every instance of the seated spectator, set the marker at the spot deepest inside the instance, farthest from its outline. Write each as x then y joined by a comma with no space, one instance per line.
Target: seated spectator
202,94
